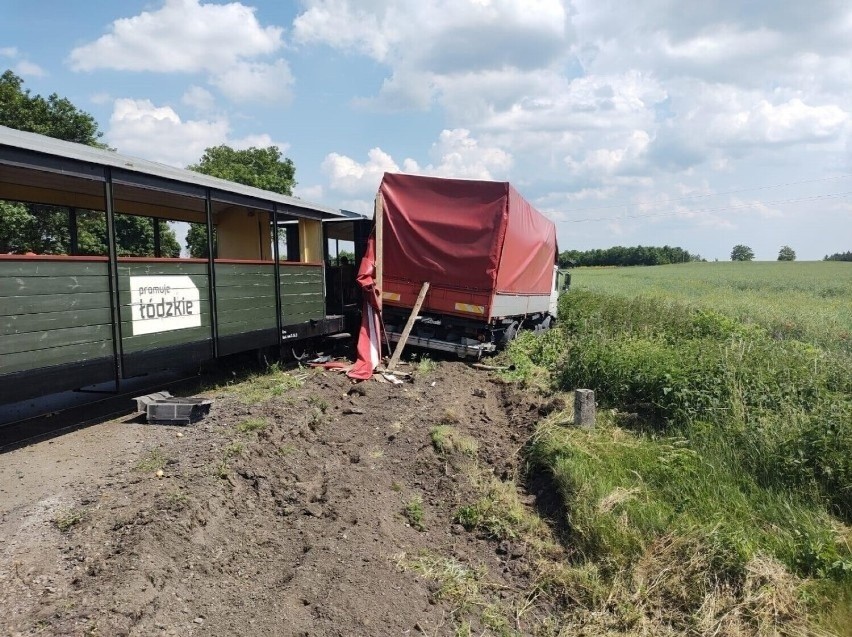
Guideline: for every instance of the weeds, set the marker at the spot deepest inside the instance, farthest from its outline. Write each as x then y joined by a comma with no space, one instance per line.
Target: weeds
424,365
153,461
177,500
413,512
64,520
262,387
251,425
450,441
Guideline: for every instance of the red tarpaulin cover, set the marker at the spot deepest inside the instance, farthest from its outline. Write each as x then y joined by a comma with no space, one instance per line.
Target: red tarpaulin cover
369,345
457,233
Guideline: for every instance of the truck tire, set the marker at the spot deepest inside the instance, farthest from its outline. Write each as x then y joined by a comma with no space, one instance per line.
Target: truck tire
545,324
510,334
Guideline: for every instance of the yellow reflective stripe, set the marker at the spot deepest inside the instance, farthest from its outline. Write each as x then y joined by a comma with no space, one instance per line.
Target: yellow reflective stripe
473,309
391,296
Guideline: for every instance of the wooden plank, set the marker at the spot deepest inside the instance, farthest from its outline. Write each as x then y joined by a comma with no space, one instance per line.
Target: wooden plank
55,356
234,269
28,285
260,303
239,294
239,280
23,323
33,341
164,339
403,339
163,268
37,268
241,327
40,304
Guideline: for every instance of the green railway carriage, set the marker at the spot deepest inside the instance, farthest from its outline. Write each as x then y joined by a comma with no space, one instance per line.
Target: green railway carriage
74,314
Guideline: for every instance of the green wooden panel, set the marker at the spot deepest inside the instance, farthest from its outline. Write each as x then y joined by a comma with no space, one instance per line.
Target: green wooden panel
243,269
27,285
38,304
247,292
224,306
165,339
240,280
161,267
32,341
249,324
301,288
52,268
55,356
26,323
300,269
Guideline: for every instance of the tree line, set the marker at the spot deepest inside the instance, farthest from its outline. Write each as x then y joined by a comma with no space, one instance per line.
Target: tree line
839,256
626,256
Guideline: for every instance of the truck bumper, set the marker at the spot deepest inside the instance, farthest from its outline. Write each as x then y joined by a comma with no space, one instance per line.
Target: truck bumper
464,351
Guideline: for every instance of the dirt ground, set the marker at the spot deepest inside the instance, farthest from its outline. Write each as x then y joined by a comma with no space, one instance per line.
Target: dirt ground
284,516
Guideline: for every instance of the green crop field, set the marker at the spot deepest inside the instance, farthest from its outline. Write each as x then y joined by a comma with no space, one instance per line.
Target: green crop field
714,497
810,301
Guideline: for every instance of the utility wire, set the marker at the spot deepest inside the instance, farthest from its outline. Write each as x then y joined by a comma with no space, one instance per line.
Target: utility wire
706,210
715,194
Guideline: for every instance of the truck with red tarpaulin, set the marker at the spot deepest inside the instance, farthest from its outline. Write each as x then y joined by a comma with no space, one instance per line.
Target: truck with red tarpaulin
487,253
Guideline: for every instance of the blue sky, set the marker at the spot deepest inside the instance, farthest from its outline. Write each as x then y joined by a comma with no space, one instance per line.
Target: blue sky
650,122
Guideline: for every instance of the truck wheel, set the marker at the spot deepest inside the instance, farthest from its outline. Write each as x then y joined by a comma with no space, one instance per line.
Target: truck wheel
545,325
509,335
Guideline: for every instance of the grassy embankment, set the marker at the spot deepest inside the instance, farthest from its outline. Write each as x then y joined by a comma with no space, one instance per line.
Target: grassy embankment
715,496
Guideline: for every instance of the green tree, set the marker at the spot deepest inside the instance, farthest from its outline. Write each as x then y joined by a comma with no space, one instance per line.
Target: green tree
54,116
742,253
839,256
258,167
196,240
786,253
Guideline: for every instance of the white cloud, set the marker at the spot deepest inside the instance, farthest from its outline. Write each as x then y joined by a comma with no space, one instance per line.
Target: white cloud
158,133
9,51
256,82
454,154
24,67
139,128
188,36
184,35
309,193
101,98
787,123
199,99
257,141
350,177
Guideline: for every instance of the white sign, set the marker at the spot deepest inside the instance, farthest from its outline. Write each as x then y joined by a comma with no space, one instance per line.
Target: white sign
164,302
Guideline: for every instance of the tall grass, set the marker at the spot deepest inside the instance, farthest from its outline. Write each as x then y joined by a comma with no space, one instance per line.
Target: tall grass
807,301
720,436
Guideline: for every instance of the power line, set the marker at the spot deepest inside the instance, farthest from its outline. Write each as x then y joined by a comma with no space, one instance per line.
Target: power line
715,194
709,210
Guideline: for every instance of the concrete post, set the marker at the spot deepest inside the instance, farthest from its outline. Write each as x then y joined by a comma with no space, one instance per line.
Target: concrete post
584,408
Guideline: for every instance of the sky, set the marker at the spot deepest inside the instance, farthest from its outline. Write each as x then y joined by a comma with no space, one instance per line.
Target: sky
701,125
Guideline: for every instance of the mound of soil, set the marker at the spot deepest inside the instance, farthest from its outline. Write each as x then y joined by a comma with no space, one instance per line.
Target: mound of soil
286,517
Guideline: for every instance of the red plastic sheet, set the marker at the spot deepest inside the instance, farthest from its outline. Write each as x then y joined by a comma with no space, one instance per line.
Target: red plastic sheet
474,235
369,345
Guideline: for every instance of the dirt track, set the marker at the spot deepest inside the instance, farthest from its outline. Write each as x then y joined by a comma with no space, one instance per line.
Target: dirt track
295,527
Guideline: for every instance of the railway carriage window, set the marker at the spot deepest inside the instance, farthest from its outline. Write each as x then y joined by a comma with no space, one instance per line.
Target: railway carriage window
51,230
137,236
195,239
